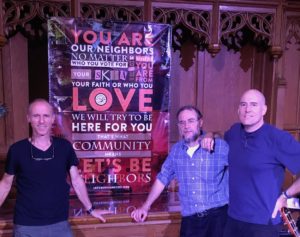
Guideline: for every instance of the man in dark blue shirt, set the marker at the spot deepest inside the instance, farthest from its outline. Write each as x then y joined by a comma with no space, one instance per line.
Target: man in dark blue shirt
41,165
202,179
258,156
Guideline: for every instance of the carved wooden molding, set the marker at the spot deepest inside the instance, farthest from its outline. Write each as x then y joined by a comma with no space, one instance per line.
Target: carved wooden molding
30,17
276,51
236,27
292,31
112,12
187,25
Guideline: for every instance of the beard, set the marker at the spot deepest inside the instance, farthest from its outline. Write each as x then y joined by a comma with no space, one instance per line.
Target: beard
192,138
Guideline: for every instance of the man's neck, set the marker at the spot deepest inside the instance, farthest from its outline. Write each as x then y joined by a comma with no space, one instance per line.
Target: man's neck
194,143
41,142
252,128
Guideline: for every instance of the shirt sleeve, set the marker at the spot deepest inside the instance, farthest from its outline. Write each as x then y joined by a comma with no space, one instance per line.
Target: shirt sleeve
222,149
167,172
72,157
288,151
10,165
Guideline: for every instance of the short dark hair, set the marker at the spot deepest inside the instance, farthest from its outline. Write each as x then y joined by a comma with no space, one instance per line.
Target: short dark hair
190,107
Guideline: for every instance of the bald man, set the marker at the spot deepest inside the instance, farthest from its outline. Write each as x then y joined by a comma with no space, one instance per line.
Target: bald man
258,156
259,153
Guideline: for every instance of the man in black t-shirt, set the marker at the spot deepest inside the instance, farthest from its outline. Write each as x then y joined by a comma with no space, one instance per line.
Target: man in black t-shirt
41,165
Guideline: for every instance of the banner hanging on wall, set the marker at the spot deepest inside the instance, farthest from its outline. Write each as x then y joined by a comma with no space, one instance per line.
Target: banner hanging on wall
109,82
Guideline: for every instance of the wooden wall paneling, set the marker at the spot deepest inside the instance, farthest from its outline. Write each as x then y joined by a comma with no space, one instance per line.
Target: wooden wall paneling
214,44
174,100
291,74
279,75
2,99
201,57
270,88
280,104
277,35
264,80
15,77
1,19
183,85
224,82
187,79
148,10
75,8
2,119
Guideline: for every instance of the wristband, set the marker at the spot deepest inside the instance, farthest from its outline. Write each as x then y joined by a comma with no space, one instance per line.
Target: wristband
91,210
286,195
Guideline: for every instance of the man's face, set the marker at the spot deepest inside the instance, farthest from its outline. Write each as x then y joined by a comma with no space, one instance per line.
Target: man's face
189,125
41,118
251,110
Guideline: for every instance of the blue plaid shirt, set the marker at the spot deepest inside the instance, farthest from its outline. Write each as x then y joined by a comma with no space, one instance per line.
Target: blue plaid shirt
202,178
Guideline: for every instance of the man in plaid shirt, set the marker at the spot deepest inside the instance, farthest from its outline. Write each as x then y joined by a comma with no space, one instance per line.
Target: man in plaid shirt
202,178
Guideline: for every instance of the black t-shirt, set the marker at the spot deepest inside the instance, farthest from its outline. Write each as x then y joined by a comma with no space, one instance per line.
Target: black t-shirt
42,187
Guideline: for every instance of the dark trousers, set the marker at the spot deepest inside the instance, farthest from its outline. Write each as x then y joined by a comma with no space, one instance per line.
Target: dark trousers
207,224
243,229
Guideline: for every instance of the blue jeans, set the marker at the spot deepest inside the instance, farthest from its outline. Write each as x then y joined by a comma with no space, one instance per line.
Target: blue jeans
61,229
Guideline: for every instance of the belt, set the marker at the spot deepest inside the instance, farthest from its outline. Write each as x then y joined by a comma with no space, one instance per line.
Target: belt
209,211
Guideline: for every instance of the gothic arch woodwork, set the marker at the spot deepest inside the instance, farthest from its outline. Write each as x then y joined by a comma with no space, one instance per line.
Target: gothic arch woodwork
292,31
112,12
187,25
193,23
30,17
238,27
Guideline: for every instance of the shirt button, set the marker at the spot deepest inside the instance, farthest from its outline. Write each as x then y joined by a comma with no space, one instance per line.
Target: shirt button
193,178
193,164
196,205
194,192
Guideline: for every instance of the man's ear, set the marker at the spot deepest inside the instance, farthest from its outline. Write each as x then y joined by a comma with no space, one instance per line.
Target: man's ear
53,118
201,122
265,109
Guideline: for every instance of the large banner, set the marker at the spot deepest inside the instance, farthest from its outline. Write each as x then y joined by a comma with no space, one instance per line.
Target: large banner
109,82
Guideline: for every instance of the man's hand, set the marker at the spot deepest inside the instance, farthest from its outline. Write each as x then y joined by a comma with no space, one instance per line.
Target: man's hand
208,141
140,214
97,213
281,202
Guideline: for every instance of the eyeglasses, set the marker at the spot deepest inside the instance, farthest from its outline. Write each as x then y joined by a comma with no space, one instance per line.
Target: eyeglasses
42,158
188,122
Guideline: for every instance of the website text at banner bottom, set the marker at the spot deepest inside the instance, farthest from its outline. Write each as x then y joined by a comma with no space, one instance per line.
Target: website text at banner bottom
120,154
